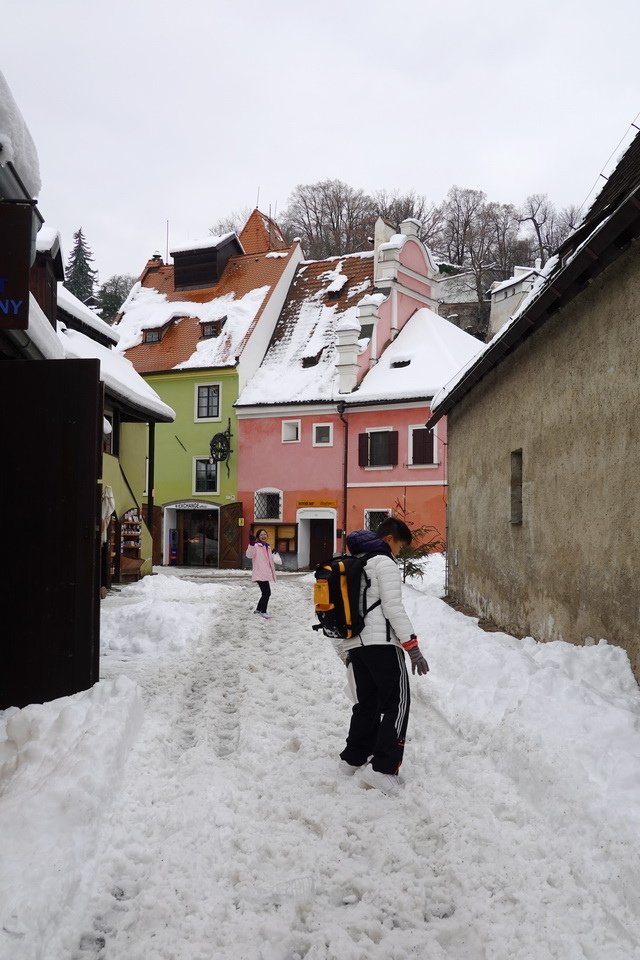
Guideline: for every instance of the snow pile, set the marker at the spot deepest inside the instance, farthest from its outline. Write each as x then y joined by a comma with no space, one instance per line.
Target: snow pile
60,765
16,143
154,615
207,243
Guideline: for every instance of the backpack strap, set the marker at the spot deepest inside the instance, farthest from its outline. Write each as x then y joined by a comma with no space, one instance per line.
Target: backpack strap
365,608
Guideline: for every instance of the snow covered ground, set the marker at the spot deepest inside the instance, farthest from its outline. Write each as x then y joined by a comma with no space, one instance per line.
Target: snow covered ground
188,807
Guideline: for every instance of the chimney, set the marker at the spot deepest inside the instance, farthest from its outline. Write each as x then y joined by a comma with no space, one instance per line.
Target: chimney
347,335
538,263
410,227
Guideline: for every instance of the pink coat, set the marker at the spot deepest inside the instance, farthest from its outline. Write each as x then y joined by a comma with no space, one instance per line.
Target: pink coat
262,565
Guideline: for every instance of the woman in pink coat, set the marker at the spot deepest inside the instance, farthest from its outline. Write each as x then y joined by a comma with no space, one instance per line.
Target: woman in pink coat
263,569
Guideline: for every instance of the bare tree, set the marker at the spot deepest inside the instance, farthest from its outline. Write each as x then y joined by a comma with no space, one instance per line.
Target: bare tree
396,207
330,217
459,210
232,223
548,225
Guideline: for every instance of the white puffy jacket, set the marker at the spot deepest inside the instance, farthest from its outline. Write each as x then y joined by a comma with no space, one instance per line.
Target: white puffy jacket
386,586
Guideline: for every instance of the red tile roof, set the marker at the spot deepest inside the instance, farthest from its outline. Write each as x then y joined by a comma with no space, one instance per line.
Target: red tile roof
261,234
241,275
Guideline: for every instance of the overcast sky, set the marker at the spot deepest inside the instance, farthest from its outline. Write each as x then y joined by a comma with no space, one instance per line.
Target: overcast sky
145,111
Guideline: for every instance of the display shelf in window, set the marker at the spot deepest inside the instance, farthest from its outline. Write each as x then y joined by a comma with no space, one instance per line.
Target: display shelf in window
131,533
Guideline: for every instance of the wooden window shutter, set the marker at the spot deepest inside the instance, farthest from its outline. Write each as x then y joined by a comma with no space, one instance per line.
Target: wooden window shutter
393,448
363,450
422,441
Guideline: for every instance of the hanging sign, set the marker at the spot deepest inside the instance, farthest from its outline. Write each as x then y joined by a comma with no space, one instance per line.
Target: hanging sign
15,260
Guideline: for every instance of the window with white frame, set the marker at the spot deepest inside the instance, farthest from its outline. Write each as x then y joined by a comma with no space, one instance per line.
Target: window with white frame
373,518
205,478
323,434
207,401
422,447
291,431
267,504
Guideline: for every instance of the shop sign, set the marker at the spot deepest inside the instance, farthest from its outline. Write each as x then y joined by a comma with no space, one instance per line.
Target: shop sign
15,260
317,503
193,505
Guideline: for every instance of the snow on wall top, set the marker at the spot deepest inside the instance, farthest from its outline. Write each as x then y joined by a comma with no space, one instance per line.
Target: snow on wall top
16,144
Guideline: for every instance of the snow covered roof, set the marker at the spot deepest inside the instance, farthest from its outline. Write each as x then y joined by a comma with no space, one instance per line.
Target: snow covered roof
41,332
424,356
117,374
526,275
48,241
207,243
16,144
70,303
240,295
300,363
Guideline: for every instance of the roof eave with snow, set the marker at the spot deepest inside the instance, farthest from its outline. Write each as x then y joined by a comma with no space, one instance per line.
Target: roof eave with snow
559,287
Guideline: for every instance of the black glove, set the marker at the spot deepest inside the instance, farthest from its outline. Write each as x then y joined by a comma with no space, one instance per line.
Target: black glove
252,539
418,662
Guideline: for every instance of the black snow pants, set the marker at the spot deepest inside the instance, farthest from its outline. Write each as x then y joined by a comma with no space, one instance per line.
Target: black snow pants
380,717
265,593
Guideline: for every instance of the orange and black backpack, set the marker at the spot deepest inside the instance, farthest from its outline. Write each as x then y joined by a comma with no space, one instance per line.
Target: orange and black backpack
340,596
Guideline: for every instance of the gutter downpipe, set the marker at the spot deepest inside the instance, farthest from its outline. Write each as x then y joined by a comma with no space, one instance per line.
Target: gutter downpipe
341,407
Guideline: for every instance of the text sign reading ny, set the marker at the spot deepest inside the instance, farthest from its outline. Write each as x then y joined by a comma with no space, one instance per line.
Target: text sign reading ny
15,261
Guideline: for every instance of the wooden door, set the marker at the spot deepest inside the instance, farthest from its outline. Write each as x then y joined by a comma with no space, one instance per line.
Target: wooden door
321,545
230,536
51,431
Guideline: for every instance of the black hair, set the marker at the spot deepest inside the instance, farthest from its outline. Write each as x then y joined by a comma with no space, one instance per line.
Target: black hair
398,529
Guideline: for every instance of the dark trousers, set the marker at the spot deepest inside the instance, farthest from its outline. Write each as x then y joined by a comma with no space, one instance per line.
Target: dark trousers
265,593
380,717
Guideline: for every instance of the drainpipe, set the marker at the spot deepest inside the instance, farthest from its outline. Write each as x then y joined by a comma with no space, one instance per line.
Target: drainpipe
341,407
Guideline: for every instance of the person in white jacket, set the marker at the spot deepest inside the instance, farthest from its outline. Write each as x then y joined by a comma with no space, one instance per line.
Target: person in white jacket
375,742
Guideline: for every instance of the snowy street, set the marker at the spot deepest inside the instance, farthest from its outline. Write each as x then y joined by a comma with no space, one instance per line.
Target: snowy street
189,807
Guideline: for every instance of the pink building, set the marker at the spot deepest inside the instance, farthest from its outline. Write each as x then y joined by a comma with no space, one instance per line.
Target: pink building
331,427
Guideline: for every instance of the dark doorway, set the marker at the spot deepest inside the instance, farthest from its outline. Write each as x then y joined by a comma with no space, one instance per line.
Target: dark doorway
198,538
51,428
321,541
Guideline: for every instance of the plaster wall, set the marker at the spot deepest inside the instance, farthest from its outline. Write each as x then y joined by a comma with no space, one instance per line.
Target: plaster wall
568,398
178,443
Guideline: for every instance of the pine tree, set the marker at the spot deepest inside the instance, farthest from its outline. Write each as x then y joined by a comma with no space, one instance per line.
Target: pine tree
424,540
81,277
112,294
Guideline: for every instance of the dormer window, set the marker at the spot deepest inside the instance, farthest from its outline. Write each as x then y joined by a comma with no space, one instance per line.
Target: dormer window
312,361
213,328
396,364
151,336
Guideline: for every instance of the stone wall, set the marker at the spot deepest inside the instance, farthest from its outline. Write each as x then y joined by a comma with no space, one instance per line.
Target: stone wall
568,398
